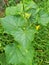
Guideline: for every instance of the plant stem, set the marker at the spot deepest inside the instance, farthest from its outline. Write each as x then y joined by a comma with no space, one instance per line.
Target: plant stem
23,7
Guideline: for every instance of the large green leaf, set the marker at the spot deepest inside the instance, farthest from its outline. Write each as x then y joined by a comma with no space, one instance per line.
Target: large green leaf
17,55
11,23
24,37
30,5
14,10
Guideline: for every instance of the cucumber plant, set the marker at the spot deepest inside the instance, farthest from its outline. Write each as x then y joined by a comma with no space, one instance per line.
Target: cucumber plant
20,22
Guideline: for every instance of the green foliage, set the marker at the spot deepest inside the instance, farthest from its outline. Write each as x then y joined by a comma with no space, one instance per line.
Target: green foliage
18,54
26,29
